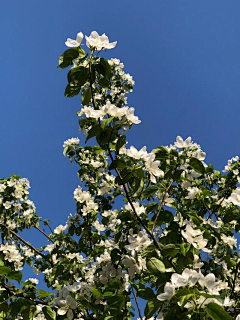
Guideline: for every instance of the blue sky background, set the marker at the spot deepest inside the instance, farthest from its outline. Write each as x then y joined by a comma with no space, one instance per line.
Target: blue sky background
183,55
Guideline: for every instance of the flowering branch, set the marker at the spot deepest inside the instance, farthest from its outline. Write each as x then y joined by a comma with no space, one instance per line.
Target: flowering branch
26,243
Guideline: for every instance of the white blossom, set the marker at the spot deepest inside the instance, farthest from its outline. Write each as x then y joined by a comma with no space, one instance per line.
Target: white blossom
180,143
72,141
74,43
169,291
60,229
99,42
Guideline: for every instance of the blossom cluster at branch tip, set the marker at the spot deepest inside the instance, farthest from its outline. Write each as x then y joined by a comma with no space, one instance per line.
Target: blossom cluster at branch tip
94,40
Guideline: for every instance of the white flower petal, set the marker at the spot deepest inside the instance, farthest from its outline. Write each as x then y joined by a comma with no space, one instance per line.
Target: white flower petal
62,311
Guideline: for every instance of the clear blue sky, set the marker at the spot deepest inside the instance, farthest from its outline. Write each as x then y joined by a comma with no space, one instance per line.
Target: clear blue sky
183,55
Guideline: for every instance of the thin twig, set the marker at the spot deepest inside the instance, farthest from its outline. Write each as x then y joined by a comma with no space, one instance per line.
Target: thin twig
235,278
139,310
50,228
44,233
162,203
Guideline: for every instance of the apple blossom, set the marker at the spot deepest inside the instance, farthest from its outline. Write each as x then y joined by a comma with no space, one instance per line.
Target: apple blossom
99,42
75,43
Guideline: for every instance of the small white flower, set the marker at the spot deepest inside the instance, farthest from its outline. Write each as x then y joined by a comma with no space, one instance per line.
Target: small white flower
169,291
74,43
231,241
2,187
210,282
131,117
66,306
60,229
188,277
33,280
99,42
234,197
192,192
134,153
70,142
180,143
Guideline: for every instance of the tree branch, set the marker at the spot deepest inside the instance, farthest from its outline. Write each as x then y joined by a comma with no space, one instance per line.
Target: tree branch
26,243
162,203
21,295
235,278
44,233
124,185
135,297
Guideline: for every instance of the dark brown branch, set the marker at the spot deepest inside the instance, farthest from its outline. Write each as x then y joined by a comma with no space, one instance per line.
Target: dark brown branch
234,280
124,185
139,310
162,203
21,295
44,233
26,243
133,208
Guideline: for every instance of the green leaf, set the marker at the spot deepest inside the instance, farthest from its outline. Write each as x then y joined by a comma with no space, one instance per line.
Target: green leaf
15,275
120,143
165,216
139,173
185,299
118,163
184,247
95,292
153,206
197,165
67,57
59,270
94,131
151,307
231,215
79,75
116,302
65,151
49,313
115,255
197,220
155,266
43,293
3,307
72,90
149,191
5,270
114,284
216,312
169,250
104,83
145,293
28,312
106,122
183,292
86,96
220,297
106,68
138,190
161,152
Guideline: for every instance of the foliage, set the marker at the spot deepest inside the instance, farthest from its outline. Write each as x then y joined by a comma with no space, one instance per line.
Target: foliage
172,242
